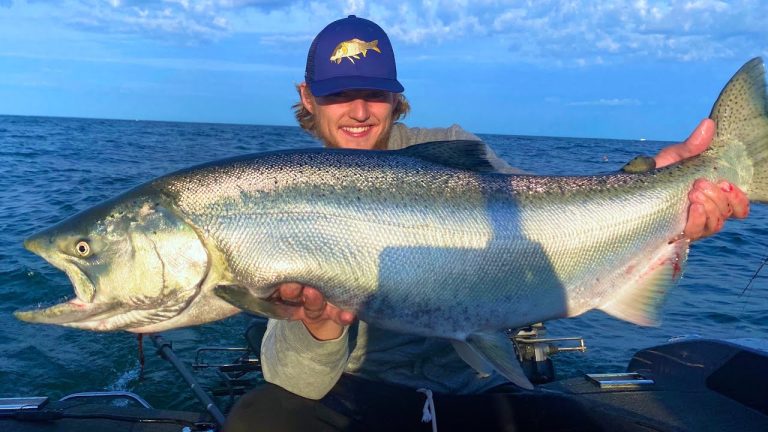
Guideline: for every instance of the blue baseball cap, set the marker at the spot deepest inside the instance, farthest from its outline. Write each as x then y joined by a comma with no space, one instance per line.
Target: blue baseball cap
351,54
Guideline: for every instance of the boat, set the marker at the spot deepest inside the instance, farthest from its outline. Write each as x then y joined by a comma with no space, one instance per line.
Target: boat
686,384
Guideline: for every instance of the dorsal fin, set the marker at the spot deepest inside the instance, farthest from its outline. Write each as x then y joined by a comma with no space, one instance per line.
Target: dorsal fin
470,155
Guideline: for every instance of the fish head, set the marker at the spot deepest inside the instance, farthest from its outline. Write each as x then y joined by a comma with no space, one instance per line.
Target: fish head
339,52
132,260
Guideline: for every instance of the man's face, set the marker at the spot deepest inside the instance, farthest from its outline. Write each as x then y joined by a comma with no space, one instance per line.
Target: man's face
357,119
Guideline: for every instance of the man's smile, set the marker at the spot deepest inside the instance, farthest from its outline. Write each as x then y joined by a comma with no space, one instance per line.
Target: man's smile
357,130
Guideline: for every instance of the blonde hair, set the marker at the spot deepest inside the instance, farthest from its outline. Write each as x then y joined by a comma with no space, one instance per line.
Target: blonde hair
307,120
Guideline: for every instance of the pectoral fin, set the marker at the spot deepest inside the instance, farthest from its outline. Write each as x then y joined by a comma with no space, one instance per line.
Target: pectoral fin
242,298
496,349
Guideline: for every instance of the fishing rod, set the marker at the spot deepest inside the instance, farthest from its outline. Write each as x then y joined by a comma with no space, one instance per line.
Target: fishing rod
165,351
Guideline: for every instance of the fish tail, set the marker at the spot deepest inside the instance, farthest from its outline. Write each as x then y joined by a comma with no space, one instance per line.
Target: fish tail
374,45
741,115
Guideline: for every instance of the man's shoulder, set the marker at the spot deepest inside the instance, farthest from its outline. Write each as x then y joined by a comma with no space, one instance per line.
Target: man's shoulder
403,136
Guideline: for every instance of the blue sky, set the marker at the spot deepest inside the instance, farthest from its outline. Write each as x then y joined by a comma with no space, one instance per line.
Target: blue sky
604,69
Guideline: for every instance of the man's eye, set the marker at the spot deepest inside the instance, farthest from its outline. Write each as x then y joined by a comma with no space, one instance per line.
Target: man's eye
333,98
347,96
376,96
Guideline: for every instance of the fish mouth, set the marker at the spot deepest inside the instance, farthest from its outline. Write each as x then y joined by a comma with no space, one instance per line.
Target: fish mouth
85,289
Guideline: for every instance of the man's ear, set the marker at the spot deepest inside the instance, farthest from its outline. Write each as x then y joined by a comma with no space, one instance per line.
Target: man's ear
306,97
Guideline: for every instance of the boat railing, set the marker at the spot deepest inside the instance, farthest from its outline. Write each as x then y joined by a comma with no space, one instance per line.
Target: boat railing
112,395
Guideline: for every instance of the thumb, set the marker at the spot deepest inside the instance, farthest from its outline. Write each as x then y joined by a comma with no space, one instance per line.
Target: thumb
696,143
700,138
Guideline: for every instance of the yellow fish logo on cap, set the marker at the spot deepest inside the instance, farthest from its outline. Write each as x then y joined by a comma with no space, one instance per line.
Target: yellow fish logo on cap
351,48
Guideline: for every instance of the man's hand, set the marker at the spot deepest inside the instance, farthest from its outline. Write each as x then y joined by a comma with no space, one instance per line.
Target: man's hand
323,320
711,204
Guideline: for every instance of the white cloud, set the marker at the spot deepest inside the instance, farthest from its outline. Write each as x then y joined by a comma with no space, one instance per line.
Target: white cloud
575,32
706,5
354,7
186,64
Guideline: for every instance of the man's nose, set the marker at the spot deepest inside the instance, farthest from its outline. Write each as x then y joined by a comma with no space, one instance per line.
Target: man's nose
358,110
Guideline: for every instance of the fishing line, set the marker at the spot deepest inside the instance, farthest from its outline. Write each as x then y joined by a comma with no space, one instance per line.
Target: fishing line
140,338
754,276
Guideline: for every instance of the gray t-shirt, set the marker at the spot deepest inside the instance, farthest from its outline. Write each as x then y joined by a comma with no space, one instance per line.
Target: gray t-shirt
291,358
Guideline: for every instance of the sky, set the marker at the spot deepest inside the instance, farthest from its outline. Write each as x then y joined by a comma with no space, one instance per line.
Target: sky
600,69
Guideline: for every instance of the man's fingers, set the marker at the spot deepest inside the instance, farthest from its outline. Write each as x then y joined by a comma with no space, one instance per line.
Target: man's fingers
290,292
711,205
314,303
697,219
704,214
346,317
715,199
316,307
737,199
311,305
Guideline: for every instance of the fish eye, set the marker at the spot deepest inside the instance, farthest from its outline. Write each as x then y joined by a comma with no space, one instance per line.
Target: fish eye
83,248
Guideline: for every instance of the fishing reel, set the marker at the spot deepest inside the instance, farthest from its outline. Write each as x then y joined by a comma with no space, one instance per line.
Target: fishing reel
534,351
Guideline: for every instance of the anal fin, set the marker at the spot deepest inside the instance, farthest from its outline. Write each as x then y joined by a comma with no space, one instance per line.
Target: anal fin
472,358
639,299
497,350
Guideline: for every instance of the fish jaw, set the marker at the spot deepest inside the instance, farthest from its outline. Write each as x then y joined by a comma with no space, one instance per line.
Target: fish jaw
100,317
72,311
132,261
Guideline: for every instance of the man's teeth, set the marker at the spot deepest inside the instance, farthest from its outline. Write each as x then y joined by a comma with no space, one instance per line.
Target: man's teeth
359,129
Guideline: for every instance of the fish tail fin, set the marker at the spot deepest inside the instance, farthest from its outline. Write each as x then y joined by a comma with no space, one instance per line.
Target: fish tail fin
741,114
374,45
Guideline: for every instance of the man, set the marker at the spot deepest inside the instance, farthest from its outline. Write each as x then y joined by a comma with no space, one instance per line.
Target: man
326,371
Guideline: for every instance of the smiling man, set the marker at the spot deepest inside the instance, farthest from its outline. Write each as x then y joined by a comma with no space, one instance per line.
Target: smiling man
358,119
324,370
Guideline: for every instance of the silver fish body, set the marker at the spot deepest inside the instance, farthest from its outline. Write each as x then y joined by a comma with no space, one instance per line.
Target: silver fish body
428,240
421,247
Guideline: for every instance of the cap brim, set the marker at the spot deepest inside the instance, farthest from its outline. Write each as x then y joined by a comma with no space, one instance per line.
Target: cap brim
339,84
